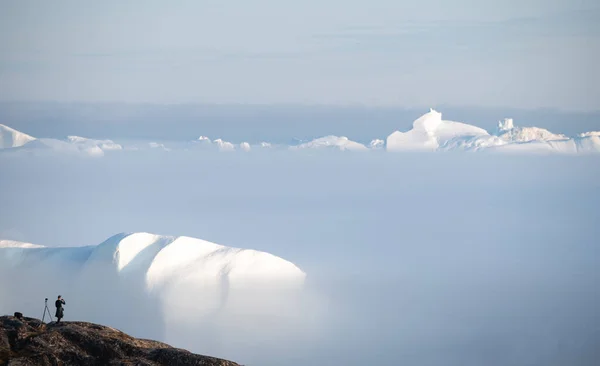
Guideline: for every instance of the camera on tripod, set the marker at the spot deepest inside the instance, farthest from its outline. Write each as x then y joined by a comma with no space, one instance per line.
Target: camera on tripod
46,310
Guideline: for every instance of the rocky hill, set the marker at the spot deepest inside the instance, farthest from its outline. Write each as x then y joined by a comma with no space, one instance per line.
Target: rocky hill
27,341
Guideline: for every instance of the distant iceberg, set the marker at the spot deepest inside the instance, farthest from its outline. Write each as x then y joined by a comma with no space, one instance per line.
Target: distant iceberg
431,133
332,142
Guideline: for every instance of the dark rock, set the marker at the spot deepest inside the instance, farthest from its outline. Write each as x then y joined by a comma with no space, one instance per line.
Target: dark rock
28,341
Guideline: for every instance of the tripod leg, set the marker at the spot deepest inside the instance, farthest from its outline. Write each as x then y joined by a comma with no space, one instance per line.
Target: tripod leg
49,315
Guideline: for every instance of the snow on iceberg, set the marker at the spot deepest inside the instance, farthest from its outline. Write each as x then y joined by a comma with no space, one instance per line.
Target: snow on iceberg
101,144
46,145
586,143
245,146
204,142
224,145
9,137
430,132
576,145
540,140
591,133
332,142
164,258
19,142
508,132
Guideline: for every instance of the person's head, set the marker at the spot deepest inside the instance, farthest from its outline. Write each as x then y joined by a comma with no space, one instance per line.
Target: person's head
59,297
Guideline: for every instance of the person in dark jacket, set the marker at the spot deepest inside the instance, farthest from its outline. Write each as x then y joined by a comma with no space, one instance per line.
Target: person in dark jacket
60,311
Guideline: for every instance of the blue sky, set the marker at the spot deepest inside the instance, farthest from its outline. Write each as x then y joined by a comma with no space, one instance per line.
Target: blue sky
524,54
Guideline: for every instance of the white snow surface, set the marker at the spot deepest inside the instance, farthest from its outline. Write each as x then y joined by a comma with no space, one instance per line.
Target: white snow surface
224,145
44,145
431,133
19,142
102,144
332,142
10,137
161,259
507,131
245,146
205,142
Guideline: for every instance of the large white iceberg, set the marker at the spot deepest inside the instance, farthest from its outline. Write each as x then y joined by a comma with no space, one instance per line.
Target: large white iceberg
160,259
431,133
133,279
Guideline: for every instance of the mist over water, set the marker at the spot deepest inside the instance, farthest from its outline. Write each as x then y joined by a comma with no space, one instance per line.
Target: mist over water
418,259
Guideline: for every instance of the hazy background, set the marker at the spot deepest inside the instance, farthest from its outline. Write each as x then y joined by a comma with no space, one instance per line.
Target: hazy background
426,259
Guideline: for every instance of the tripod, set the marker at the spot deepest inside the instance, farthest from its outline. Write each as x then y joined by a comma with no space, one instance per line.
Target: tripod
46,310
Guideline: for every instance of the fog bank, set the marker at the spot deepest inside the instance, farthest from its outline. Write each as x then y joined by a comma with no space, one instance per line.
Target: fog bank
422,259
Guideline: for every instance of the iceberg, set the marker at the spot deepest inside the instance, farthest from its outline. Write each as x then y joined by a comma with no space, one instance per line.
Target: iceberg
332,142
147,277
10,137
431,133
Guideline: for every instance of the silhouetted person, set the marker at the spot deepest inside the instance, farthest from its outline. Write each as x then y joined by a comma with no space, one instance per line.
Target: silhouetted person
60,311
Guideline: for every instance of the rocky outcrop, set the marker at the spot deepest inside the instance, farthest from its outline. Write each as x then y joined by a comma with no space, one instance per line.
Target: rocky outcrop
30,342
